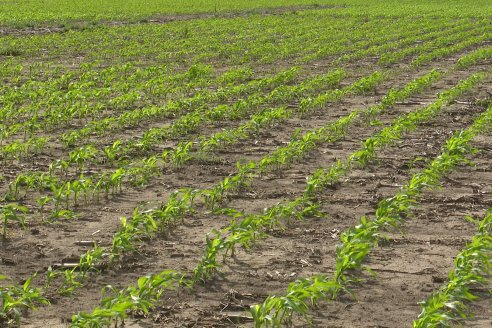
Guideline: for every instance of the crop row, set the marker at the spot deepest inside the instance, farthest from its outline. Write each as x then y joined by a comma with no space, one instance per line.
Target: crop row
143,223
357,242
471,269
127,97
180,204
17,149
226,41
76,108
61,117
243,175
251,227
136,173
186,124
423,49
117,88
193,41
208,264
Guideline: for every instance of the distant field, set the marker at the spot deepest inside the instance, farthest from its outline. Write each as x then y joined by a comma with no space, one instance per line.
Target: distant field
245,163
32,13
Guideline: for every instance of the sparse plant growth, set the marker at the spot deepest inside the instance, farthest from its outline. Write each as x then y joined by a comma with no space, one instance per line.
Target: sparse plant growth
245,163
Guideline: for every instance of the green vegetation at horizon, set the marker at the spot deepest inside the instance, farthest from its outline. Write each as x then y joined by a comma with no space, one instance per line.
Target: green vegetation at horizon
65,13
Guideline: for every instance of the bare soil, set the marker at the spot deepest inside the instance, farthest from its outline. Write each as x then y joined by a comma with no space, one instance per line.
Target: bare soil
409,266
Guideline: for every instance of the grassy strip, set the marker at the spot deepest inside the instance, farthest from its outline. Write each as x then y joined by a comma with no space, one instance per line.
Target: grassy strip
472,266
357,242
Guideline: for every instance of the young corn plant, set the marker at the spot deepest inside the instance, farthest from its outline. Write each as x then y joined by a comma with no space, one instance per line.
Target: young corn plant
70,282
16,300
145,295
472,266
180,155
12,212
82,155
